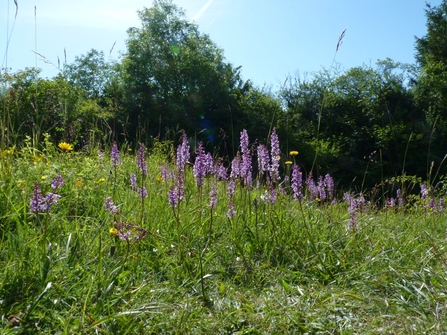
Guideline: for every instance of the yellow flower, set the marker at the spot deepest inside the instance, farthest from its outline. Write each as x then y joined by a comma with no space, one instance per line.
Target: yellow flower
64,146
288,162
43,177
113,231
293,153
79,183
160,179
100,180
39,158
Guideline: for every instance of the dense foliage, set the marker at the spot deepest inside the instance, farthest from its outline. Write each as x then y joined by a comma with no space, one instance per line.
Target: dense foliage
363,124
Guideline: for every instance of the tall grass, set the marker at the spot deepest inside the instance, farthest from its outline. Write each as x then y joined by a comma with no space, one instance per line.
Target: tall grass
209,253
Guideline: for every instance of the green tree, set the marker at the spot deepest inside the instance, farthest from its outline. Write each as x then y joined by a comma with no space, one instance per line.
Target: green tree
430,89
176,77
349,119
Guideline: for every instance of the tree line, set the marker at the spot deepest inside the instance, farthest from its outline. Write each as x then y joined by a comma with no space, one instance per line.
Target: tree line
361,125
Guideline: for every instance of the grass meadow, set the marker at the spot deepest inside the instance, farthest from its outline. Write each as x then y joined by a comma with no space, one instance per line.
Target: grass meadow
170,240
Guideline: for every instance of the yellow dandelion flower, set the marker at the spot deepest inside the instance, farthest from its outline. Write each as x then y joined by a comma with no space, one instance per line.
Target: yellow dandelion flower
294,153
113,231
43,177
288,162
100,180
160,179
64,146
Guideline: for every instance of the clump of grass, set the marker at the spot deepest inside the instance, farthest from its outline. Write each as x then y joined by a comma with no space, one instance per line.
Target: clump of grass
212,249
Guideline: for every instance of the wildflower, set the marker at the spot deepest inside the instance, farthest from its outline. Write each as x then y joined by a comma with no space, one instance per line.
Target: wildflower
115,155
213,194
43,177
293,153
79,183
297,182
141,160
329,183
321,189
173,197
50,199
164,172
37,200
245,168
64,146
311,187
263,159
113,231
183,153
142,192
432,205
274,152
38,203
100,180
128,232
288,162
236,166
133,181
219,170
37,159
110,206
57,182
231,187
202,165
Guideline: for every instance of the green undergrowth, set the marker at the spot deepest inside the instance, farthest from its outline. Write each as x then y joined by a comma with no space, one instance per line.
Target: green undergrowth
283,267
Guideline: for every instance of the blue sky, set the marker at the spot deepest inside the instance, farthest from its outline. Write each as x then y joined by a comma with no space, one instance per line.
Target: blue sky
271,40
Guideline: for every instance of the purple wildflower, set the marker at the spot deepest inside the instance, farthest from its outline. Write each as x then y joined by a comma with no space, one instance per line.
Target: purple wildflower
115,155
141,159
57,182
263,159
164,172
432,205
37,202
236,166
321,189
142,192
330,186
275,156
245,167
133,181
231,187
173,196
183,153
219,170
311,187
110,206
297,182
202,165
213,194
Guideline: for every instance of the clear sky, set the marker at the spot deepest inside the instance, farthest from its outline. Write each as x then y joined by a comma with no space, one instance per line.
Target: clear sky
269,39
